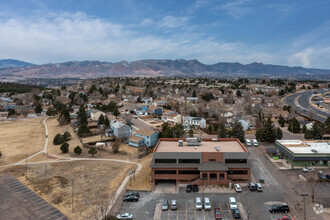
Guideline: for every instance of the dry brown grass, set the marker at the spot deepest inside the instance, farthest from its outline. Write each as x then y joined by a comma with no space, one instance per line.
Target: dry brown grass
20,137
142,179
92,180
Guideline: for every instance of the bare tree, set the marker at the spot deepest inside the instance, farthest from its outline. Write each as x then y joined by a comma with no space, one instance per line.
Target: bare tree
312,181
100,204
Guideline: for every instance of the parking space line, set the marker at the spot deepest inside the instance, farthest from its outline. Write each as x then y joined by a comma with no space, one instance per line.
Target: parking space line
177,214
186,210
203,214
195,213
213,217
59,213
168,214
231,216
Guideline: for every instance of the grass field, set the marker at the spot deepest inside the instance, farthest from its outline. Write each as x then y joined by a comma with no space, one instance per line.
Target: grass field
20,137
92,180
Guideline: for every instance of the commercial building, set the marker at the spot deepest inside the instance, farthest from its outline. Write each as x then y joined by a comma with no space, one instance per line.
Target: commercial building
200,161
305,152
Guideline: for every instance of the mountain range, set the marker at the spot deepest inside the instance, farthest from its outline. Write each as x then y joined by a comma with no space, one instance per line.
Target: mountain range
17,70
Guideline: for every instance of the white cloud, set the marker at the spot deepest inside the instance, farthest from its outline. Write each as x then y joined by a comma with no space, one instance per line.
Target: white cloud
301,58
173,22
237,9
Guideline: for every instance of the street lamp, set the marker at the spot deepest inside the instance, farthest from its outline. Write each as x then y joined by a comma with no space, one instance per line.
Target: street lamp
304,195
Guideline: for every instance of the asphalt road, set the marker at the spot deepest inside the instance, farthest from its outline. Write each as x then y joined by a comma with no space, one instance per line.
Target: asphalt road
19,202
300,102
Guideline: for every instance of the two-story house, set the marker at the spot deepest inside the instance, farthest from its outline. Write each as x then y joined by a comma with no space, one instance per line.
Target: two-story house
194,123
142,137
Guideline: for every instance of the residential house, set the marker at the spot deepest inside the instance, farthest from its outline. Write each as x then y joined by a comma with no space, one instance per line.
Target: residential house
192,99
245,124
172,117
155,111
194,123
159,103
3,115
95,114
308,124
120,130
142,137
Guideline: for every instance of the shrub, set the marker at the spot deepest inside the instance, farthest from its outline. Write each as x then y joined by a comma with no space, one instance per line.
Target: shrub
92,151
65,148
77,150
58,139
67,136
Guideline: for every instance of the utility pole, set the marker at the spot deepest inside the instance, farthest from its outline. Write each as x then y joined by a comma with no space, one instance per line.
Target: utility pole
304,195
72,195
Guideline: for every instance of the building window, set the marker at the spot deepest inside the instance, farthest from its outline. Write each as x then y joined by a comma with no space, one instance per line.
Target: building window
233,172
235,160
213,176
165,160
165,171
222,176
189,161
211,159
189,171
204,177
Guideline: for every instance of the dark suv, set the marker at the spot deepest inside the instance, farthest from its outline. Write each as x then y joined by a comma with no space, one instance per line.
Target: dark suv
279,208
188,188
252,186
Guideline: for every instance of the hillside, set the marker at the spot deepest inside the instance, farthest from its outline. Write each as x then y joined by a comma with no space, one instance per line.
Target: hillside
186,68
10,63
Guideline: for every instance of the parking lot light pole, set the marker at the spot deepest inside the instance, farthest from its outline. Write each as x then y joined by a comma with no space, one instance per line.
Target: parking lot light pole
304,195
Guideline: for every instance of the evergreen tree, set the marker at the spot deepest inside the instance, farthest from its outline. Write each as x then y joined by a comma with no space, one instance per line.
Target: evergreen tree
82,116
101,120
116,112
281,121
82,130
267,133
238,131
92,89
308,134
64,117
210,129
191,133
58,139
65,148
106,122
316,132
327,124
92,151
194,94
38,108
304,128
294,125
77,150
51,112
279,134
67,136
222,131
238,93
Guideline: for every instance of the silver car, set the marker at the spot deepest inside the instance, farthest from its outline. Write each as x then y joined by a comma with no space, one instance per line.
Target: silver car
125,216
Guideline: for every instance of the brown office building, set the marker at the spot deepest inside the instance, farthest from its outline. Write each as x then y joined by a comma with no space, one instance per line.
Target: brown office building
200,161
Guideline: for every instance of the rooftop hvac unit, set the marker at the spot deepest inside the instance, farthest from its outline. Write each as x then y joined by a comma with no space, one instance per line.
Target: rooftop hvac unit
314,151
217,148
193,141
214,139
180,143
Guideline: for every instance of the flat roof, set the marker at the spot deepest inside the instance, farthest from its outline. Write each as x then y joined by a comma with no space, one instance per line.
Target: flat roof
307,146
207,145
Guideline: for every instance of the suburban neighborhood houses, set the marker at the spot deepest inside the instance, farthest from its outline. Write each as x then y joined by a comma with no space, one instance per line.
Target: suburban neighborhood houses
241,147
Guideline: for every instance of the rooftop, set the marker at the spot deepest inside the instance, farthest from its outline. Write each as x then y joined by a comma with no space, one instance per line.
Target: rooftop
207,145
145,132
306,146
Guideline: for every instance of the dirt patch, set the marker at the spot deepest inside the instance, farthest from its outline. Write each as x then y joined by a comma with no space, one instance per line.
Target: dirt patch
92,180
142,180
20,137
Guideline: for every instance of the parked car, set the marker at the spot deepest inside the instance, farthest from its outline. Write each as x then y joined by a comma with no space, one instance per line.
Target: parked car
131,199
306,169
217,214
252,186
232,203
174,205
248,142
278,208
207,204
237,188
327,176
236,214
195,188
199,204
125,216
132,194
259,187
189,188
255,143
165,205
284,218
321,175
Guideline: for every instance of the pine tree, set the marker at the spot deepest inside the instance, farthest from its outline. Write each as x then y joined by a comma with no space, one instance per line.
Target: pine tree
92,151
67,136
82,116
281,121
316,132
106,122
101,120
77,150
116,112
294,125
191,133
210,129
65,148
279,134
82,130
194,94
38,108
222,131
64,117
308,134
58,139
238,131
238,93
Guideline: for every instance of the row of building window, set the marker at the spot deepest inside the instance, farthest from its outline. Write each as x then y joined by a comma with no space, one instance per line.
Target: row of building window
197,160
230,172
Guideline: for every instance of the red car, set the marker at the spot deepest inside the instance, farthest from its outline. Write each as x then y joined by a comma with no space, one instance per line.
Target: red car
217,214
285,218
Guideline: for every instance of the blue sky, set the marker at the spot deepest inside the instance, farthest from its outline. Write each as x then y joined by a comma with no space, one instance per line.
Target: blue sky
286,32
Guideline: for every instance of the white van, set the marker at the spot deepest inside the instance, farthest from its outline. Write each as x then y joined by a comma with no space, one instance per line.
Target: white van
255,142
232,203
248,142
199,204
207,204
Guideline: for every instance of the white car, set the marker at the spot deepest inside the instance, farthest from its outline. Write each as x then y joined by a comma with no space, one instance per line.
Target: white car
125,216
255,142
237,188
232,203
248,142
199,204
207,204
308,169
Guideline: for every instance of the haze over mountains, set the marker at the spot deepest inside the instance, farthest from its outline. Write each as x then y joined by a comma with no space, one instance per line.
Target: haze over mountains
17,70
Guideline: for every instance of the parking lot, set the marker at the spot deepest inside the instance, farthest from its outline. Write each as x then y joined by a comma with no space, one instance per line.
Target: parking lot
149,205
